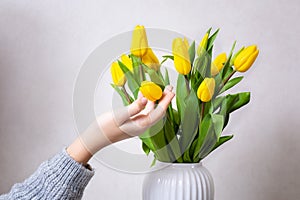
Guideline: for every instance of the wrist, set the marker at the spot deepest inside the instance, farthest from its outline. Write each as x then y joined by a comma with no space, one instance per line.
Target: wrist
78,152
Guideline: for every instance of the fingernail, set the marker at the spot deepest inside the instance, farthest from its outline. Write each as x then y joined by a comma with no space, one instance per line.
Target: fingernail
169,88
143,100
140,95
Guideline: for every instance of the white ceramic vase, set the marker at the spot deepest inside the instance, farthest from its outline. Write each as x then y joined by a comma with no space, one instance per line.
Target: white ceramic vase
179,182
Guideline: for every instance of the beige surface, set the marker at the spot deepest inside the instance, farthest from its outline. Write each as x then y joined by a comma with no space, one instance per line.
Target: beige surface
44,43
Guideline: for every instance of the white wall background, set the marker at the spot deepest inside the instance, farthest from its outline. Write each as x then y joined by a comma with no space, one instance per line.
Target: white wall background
44,43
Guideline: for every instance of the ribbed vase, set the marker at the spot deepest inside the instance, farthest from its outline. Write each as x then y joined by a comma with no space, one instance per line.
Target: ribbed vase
179,182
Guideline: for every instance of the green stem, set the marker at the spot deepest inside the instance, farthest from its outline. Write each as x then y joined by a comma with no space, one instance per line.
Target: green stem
171,114
227,79
126,94
170,110
142,75
202,110
187,83
224,82
161,76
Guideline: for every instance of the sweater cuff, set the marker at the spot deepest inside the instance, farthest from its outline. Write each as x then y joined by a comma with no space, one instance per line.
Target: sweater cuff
70,172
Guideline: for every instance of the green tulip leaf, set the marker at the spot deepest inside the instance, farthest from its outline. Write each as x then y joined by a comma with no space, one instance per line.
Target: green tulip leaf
190,121
132,84
209,30
193,147
208,62
192,52
146,149
181,94
243,99
208,108
231,83
211,39
167,79
205,127
153,161
172,140
233,102
136,62
122,95
200,69
227,65
154,138
222,140
212,136
216,103
176,117
186,156
168,57
154,76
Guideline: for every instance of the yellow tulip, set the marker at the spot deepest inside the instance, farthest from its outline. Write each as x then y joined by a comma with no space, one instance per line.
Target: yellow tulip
150,90
203,44
139,43
181,56
117,74
127,61
151,60
246,58
218,64
206,89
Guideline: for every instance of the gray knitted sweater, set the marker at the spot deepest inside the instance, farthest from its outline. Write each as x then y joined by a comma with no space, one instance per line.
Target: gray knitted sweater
60,177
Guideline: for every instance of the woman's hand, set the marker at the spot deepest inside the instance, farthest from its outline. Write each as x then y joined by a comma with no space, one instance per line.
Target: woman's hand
119,124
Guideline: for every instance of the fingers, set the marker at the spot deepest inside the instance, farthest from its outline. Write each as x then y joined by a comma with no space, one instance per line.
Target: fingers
149,107
158,113
167,97
153,115
123,114
137,106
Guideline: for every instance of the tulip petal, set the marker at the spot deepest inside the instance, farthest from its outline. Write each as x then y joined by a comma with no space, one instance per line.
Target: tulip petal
150,90
244,55
181,56
249,62
139,43
127,61
206,89
218,64
151,60
117,74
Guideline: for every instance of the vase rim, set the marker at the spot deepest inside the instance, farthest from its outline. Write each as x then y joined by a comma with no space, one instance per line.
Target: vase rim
179,164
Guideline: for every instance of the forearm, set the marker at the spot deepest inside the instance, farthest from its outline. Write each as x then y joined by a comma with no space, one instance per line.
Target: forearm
94,139
119,125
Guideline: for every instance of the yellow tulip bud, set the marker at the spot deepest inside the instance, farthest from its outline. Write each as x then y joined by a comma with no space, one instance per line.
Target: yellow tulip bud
246,58
206,89
186,43
181,56
203,44
150,90
117,74
151,60
218,64
139,43
127,61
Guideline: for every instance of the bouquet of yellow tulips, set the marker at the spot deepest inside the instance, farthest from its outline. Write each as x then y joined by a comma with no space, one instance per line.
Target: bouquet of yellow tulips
193,129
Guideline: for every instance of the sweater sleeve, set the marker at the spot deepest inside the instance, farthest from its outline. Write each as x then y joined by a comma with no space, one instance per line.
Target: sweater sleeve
60,177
